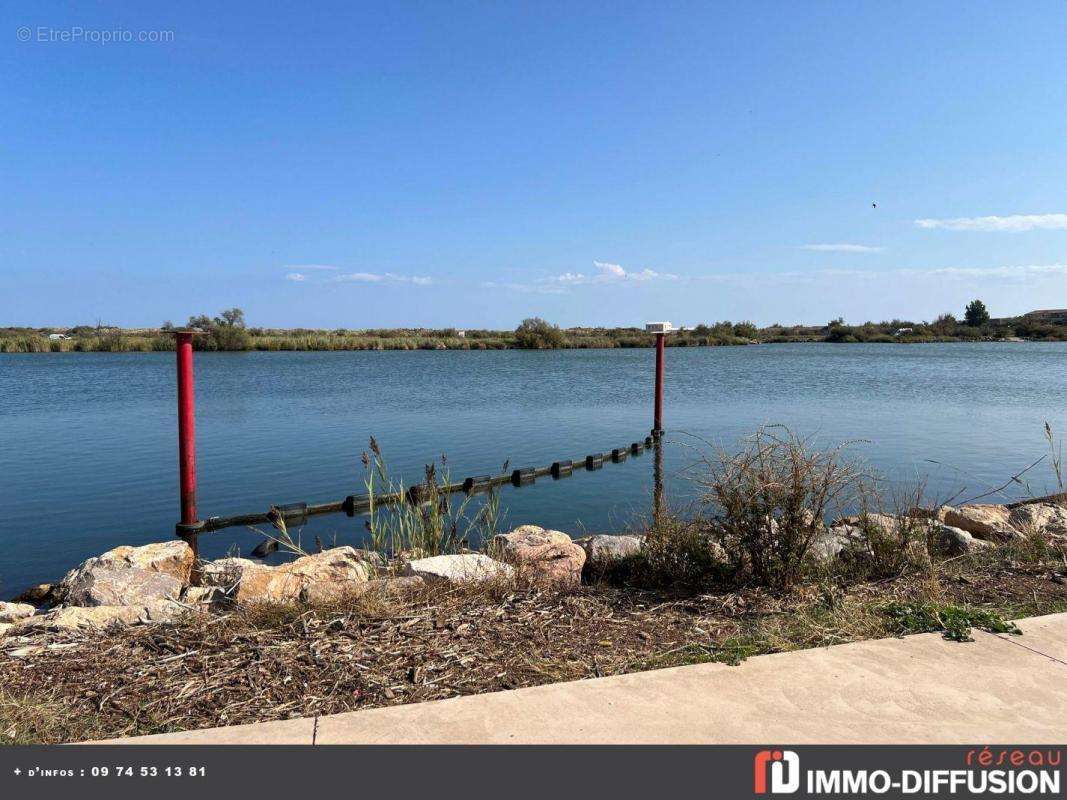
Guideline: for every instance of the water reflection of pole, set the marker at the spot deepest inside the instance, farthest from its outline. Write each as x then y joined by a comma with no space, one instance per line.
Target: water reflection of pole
657,480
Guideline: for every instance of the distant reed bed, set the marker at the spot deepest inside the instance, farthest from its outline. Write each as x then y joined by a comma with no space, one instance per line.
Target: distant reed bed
14,340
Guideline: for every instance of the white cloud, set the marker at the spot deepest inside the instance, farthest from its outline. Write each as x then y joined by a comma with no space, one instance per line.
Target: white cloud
606,274
364,277
306,267
610,270
1011,224
842,248
385,277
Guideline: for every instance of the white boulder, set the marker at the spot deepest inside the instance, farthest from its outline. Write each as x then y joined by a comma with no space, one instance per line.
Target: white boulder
461,568
98,585
15,612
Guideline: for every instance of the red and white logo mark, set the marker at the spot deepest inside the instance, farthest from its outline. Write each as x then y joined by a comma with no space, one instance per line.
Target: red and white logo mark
784,767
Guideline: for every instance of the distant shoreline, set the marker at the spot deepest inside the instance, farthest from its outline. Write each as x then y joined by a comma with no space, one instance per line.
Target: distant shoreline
228,332
126,347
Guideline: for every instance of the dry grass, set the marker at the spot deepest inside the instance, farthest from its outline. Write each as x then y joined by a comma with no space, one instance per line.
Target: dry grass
270,663
770,499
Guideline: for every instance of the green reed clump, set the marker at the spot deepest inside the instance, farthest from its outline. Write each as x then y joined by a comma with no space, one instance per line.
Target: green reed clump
423,519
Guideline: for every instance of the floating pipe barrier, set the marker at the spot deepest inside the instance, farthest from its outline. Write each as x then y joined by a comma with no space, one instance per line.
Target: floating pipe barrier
353,505
190,526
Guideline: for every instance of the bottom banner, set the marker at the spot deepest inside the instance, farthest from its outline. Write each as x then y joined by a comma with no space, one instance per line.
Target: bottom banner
729,771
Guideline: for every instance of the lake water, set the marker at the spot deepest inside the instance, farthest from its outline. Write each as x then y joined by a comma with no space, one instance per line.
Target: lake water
88,441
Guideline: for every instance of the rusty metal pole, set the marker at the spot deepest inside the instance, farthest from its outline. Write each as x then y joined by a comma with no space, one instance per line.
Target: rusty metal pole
657,427
190,526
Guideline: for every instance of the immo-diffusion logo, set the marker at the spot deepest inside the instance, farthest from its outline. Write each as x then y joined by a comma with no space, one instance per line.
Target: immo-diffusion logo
1009,771
783,767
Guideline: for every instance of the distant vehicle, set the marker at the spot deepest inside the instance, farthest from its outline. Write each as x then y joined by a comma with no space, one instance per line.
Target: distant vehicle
902,331
55,337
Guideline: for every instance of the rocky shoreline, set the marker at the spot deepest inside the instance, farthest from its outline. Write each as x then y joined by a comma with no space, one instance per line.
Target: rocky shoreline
157,583
147,651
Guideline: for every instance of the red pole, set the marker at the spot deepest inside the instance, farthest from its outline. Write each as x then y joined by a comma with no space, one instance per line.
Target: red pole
189,525
657,427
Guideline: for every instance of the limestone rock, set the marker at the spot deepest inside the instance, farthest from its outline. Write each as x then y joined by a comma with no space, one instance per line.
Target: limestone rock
828,543
985,521
951,541
373,559
458,568
225,573
1044,518
15,612
205,598
542,555
163,611
40,595
98,585
174,558
75,618
602,549
322,576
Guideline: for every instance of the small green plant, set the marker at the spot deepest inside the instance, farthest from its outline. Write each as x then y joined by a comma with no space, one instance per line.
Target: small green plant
892,539
675,552
954,622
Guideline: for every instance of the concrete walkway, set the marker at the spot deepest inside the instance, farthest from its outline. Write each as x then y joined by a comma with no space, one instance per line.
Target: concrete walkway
919,689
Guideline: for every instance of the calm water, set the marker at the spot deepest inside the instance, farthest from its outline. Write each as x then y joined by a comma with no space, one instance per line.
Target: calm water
87,441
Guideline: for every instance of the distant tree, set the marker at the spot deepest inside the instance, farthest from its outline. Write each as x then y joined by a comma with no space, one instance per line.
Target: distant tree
536,334
746,330
227,331
976,314
234,317
945,325
167,326
838,331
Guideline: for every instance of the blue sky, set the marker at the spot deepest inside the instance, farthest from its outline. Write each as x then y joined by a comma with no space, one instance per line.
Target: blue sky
470,164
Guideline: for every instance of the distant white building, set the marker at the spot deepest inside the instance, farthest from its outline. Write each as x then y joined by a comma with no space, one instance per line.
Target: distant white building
902,331
461,334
